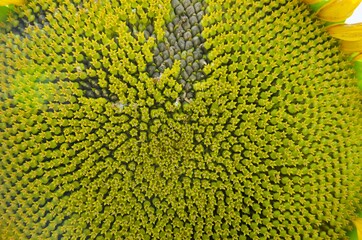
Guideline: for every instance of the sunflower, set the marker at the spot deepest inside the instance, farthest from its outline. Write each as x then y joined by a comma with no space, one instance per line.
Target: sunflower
182,119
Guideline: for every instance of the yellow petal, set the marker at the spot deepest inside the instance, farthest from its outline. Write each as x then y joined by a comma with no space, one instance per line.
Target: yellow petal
358,223
358,57
347,32
15,2
351,46
339,10
311,1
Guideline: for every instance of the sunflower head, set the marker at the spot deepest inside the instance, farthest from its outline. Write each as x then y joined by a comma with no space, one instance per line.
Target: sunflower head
176,120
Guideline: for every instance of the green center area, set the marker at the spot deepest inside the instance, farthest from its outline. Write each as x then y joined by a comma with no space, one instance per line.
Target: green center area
105,136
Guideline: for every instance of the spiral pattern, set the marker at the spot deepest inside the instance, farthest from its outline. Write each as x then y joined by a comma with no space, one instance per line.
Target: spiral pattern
137,119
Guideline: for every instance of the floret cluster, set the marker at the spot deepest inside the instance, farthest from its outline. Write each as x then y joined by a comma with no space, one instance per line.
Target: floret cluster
183,42
250,131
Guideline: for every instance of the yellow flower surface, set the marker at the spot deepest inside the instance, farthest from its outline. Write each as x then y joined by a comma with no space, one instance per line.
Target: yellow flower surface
358,223
347,32
203,119
338,10
15,2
